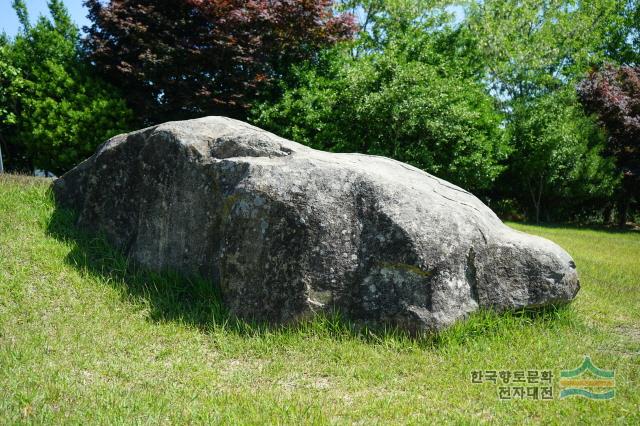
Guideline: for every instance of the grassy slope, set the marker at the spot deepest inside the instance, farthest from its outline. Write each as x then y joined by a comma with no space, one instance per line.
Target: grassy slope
83,338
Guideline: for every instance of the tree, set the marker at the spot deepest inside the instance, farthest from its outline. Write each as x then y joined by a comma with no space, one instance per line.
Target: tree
11,86
186,58
622,40
406,95
556,165
533,53
613,95
61,111
531,47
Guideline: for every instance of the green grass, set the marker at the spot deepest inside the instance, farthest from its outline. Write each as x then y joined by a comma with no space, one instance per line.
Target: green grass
86,338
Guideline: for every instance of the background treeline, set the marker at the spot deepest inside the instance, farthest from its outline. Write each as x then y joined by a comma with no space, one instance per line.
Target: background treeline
533,105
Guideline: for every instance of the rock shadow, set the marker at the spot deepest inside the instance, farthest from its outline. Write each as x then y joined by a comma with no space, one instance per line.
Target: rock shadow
170,296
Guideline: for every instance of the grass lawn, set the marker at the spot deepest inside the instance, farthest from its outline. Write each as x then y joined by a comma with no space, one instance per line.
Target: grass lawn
86,338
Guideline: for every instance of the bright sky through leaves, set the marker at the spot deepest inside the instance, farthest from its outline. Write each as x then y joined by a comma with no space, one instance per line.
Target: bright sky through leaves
9,21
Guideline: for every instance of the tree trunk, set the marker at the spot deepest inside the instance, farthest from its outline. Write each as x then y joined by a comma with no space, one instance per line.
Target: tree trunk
537,197
536,206
2,142
623,207
624,199
606,214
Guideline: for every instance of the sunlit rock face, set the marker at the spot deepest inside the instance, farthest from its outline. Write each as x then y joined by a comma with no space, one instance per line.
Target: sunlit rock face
287,231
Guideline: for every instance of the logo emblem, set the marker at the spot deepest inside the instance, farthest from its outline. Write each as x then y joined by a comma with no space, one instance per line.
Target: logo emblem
588,381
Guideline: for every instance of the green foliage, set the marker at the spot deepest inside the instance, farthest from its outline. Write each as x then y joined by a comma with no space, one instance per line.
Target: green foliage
556,167
403,96
623,36
58,110
533,53
529,47
11,87
23,14
11,84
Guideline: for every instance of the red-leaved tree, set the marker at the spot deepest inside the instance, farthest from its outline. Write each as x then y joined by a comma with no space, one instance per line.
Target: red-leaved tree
176,59
613,94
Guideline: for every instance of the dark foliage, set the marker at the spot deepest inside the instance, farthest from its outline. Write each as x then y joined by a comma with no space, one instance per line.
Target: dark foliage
188,58
613,94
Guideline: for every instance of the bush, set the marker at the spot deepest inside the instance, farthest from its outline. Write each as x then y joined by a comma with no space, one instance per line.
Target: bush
62,112
385,103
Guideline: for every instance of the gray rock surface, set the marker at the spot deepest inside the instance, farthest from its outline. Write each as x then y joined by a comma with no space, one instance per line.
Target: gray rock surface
288,231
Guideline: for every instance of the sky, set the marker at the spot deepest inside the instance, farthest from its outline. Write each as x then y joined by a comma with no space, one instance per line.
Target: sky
9,21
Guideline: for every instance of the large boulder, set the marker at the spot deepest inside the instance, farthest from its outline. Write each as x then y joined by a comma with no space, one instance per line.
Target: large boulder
288,231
